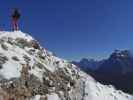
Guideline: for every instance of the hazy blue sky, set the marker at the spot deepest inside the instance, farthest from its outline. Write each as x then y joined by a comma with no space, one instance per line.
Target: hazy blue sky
75,28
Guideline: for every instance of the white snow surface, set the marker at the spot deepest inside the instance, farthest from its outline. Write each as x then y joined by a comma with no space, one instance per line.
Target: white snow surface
86,87
52,96
14,35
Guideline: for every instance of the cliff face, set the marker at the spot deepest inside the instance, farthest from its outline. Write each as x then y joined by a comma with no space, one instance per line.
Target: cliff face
30,72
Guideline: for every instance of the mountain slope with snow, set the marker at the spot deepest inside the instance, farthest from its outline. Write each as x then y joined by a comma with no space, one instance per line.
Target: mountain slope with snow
117,69
30,72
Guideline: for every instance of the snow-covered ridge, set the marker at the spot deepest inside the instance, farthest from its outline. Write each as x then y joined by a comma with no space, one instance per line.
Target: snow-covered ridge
14,49
14,35
26,66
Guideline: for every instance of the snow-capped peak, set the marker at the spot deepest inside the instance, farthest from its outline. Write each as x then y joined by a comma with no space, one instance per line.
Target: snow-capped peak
30,72
121,54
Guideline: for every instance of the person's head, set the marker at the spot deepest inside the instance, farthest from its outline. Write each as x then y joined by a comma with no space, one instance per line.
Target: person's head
15,14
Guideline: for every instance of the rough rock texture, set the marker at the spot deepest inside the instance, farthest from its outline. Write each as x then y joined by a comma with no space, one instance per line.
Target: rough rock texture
30,72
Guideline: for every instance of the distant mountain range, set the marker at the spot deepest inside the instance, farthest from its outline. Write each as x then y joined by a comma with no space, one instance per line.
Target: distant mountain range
117,69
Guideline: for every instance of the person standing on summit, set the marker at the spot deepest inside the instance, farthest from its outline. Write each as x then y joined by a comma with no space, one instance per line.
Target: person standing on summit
15,18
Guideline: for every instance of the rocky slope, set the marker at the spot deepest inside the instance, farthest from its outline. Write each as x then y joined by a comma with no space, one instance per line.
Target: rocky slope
30,72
